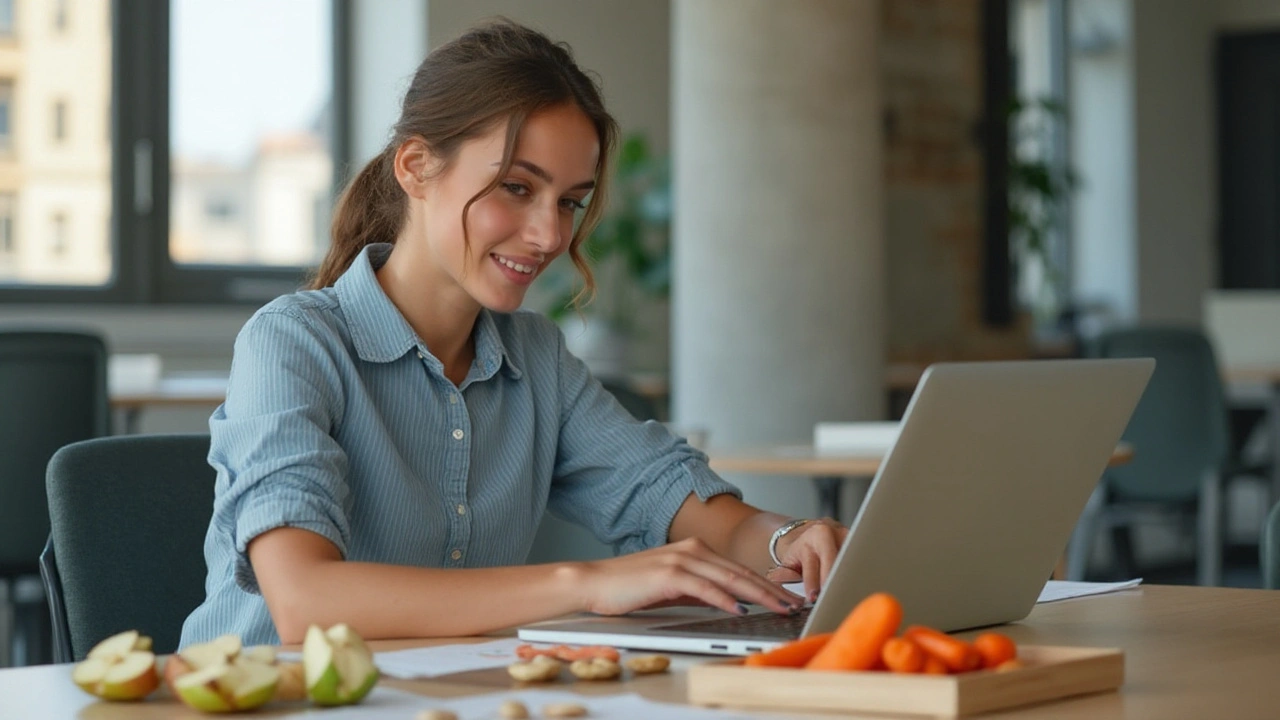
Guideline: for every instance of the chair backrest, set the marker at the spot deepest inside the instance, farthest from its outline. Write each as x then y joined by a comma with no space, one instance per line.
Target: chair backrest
1269,550
53,391
1179,429
129,516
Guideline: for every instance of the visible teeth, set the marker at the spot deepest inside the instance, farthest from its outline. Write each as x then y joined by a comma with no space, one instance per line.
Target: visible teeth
526,269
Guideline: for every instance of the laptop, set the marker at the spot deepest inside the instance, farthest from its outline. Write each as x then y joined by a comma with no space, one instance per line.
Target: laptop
969,512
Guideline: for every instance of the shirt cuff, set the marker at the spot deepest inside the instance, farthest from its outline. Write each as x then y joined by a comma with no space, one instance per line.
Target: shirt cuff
691,476
293,509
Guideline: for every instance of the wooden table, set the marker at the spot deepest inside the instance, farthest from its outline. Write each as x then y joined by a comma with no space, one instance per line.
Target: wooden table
189,391
828,471
1190,653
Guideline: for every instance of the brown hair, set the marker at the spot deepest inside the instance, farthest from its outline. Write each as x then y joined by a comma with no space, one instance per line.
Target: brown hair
497,72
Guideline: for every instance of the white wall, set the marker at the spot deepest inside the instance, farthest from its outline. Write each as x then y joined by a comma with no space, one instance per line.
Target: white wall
626,43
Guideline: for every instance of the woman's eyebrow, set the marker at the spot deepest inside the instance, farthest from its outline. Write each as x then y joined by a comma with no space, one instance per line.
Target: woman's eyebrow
546,176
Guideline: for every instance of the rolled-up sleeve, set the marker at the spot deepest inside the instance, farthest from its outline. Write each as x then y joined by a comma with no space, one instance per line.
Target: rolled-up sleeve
621,478
272,444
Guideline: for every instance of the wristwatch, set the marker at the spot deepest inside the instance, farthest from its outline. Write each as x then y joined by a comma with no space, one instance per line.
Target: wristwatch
777,535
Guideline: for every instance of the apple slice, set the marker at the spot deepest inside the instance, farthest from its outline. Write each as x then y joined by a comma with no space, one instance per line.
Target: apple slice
222,649
122,667
242,684
337,666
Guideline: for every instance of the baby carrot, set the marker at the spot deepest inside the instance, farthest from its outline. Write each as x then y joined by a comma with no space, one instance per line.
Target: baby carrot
856,644
933,666
995,649
793,654
902,655
956,654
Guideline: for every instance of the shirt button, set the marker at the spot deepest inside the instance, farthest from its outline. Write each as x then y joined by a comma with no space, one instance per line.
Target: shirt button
420,355
462,509
456,554
453,399
457,434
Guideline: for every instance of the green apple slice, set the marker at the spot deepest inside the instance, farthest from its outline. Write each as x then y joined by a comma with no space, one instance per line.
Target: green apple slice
337,665
228,687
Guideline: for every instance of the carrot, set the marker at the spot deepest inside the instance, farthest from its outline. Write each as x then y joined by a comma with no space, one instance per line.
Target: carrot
956,654
933,666
856,644
793,654
995,649
903,655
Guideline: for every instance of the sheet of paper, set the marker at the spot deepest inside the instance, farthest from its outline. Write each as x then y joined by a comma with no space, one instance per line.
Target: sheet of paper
1064,589
440,660
1053,590
447,659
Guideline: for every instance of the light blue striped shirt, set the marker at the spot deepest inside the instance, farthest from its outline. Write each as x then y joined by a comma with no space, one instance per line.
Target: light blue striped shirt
338,420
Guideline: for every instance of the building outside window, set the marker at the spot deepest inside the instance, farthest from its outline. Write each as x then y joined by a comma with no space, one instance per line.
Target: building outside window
61,14
8,207
7,28
60,121
59,235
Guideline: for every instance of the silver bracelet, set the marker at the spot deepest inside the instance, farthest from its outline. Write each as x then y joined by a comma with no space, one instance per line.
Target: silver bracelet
777,535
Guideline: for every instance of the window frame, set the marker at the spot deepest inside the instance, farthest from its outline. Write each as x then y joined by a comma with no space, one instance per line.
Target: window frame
143,272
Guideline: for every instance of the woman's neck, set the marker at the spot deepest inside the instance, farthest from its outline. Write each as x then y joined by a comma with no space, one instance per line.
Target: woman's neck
442,314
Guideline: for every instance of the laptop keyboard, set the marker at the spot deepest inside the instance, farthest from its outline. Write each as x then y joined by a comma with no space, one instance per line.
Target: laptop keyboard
760,625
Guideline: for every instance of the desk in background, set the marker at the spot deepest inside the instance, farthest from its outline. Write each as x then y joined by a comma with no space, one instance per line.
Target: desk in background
188,391
827,470
1190,653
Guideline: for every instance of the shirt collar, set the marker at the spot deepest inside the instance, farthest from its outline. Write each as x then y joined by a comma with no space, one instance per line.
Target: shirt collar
381,334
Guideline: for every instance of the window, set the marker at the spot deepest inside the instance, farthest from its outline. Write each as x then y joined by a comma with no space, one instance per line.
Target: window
60,121
246,175
6,19
1039,180
201,181
8,207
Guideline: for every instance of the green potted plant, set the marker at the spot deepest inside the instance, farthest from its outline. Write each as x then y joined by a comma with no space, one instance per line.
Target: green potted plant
1038,190
630,253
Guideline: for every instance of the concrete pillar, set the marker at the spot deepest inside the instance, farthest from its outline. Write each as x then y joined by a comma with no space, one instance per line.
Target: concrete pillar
778,298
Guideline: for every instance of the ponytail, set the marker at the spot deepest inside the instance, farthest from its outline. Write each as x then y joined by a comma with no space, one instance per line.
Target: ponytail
370,210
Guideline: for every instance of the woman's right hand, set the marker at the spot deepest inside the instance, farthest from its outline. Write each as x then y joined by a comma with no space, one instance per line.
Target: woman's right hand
685,570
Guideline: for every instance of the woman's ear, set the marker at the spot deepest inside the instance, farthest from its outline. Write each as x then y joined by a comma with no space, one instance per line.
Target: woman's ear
414,165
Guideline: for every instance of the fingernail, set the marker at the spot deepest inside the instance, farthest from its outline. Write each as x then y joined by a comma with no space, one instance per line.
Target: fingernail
742,609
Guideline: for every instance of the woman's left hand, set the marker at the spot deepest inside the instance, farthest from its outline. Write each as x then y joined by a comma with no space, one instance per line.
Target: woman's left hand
808,553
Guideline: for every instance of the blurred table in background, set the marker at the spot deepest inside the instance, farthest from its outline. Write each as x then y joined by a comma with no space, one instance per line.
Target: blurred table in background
185,390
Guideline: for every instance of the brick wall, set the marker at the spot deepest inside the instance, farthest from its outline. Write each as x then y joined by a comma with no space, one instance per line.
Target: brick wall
931,60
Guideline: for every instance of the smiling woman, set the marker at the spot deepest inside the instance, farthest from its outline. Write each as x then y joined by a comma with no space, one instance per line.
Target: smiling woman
392,437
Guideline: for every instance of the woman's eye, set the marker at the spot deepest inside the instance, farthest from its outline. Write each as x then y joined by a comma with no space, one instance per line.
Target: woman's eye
515,189
572,205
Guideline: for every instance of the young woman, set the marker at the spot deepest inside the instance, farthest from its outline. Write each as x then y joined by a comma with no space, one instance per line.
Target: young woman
392,436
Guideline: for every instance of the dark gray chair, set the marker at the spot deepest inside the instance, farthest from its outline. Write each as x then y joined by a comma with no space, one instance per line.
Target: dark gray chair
1180,434
53,391
128,516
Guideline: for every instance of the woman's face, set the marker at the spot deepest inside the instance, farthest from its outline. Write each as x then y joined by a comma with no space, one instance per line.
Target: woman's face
527,221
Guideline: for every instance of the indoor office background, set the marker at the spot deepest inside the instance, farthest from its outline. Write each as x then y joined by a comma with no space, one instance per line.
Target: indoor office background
834,194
